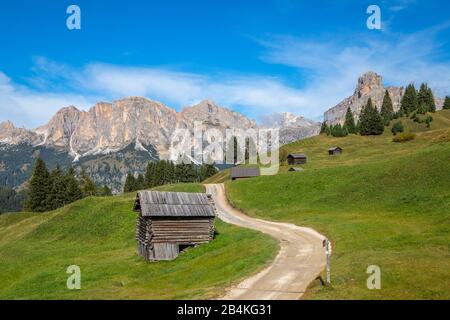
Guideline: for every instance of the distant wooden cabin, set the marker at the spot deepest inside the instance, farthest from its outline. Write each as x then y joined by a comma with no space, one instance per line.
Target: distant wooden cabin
244,173
334,151
296,158
169,222
295,169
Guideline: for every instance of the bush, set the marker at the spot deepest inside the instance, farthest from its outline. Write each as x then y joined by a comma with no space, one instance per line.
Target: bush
398,128
404,137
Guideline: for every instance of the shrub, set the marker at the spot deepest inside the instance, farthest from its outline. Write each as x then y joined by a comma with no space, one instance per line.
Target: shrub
398,128
404,137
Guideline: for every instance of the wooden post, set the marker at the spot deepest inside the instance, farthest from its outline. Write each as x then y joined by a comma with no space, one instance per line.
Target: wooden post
328,253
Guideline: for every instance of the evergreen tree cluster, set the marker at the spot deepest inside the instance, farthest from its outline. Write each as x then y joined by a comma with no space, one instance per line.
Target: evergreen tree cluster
418,102
370,120
55,189
166,172
11,200
447,103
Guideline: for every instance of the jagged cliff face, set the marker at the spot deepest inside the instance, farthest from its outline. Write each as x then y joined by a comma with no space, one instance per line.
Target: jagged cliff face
370,85
112,139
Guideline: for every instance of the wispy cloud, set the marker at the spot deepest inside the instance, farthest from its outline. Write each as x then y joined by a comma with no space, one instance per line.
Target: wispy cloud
329,67
252,94
333,64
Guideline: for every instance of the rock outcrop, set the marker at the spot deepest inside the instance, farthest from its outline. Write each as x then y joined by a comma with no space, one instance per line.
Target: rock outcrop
370,85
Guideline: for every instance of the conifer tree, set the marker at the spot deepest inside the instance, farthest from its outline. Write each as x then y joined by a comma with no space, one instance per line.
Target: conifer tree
324,127
425,99
409,101
105,191
371,122
387,108
87,185
350,121
38,188
140,183
130,183
56,197
73,190
447,103
430,101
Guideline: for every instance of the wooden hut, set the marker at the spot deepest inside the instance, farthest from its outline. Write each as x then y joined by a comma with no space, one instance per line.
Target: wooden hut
244,173
334,151
296,158
169,222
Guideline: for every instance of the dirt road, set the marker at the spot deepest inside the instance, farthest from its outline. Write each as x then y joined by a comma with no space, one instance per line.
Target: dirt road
300,260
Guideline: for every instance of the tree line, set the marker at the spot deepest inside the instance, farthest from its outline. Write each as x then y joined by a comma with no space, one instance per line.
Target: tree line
50,190
11,200
166,172
373,122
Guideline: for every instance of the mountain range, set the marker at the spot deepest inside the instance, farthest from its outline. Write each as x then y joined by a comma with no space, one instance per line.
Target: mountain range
112,139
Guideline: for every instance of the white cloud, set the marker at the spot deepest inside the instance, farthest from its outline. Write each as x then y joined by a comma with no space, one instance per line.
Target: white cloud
329,67
333,65
30,108
252,94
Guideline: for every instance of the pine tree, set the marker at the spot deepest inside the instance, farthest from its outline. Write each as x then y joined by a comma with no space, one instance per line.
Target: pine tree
387,108
339,131
130,183
425,99
371,122
430,101
73,190
56,197
324,127
409,101
447,103
38,188
150,175
350,122
397,128
105,191
87,185
140,183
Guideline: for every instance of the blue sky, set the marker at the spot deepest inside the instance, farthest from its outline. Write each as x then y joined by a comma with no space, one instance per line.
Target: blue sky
256,57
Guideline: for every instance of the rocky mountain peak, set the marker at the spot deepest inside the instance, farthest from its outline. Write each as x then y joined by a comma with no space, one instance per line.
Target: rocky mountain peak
370,85
368,82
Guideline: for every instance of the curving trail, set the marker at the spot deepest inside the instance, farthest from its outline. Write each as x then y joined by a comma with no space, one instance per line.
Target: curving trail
300,260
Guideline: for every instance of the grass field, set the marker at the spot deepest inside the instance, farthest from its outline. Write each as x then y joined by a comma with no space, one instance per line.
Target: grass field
97,234
381,203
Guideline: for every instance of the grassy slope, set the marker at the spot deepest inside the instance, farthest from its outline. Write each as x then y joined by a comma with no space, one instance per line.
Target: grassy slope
98,235
380,203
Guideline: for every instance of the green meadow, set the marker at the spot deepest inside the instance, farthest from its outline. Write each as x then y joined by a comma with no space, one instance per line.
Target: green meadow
98,235
380,203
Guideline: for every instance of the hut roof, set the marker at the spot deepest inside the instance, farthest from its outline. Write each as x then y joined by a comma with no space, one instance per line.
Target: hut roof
173,204
297,156
244,172
334,148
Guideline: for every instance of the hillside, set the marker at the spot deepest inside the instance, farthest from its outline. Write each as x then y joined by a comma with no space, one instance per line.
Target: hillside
97,234
381,203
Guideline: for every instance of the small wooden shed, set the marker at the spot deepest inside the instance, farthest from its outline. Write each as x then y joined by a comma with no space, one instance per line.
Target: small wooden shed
169,222
296,158
334,151
244,173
